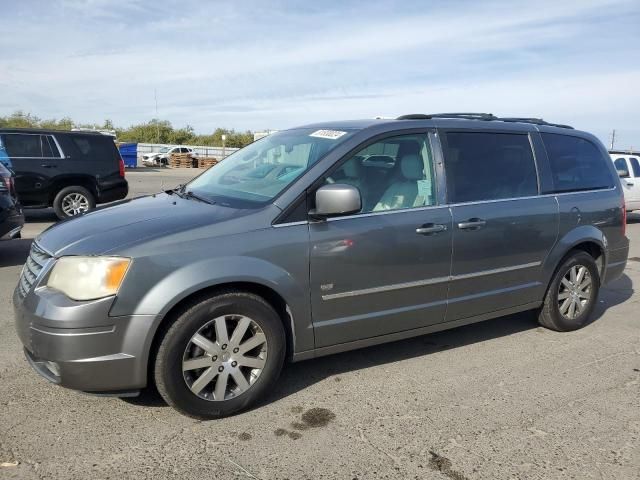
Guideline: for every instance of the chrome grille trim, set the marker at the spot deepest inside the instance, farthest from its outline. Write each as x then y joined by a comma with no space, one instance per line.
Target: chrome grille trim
34,265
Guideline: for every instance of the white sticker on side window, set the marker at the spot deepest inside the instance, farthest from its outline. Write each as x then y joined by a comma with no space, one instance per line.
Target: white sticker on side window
330,134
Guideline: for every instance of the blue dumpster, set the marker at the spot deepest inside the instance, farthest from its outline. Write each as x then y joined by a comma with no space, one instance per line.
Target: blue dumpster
129,153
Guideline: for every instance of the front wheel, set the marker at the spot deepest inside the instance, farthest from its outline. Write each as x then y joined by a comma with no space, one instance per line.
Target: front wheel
220,356
72,201
572,295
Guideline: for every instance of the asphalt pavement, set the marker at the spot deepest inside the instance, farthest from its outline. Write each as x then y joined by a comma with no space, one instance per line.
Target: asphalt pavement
502,399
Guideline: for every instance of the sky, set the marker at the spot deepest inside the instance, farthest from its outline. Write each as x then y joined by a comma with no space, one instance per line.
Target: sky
274,65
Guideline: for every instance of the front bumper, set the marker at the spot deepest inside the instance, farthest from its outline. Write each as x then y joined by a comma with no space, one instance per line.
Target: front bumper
79,346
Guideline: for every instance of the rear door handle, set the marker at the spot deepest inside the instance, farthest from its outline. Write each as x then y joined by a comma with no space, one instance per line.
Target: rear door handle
471,224
430,228
46,165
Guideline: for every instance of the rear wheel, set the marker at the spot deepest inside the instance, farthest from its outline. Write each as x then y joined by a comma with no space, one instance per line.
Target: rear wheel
572,295
220,356
72,201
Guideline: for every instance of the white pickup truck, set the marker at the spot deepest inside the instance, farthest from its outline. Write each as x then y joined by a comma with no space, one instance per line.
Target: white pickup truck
161,157
628,167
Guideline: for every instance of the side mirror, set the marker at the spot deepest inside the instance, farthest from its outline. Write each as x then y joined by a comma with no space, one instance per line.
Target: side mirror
336,199
623,172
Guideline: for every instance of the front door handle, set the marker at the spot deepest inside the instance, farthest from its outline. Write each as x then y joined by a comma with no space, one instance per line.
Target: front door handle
472,224
430,228
46,165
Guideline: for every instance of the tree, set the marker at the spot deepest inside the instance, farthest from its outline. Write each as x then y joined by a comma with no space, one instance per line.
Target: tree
153,131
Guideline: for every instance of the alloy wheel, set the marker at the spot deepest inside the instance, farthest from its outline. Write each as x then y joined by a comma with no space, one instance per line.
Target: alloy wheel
224,358
574,292
75,204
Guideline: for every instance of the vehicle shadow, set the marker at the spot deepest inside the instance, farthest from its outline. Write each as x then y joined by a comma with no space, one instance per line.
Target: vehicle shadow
40,215
299,376
14,252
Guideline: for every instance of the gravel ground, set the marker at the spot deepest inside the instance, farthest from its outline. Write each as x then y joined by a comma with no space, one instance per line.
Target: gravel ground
497,400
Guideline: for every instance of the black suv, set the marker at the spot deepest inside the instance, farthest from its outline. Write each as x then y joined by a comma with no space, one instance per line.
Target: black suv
11,218
69,171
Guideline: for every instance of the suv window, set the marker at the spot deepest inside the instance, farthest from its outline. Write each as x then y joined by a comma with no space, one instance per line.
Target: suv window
404,179
621,165
49,147
635,166
83,144
576,163
489,166
22,145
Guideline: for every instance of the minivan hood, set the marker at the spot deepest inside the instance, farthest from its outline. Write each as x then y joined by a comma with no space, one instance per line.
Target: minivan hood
130,222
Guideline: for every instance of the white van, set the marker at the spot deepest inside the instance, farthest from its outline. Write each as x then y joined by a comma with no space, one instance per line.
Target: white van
628,167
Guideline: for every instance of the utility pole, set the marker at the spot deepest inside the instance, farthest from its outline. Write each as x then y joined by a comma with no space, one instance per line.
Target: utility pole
613,139
155,96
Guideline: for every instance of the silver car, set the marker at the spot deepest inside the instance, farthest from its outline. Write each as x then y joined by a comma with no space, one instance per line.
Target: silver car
378,230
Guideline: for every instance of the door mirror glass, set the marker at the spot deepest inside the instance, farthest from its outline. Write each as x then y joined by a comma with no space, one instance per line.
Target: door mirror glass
337,199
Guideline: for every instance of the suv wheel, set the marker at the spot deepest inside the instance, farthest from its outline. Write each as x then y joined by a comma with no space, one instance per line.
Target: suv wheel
72,201
220,356
572,295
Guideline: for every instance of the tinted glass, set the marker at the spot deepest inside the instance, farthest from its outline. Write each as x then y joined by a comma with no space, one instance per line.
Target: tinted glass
53,148
489,166
83,144
621,165
576,163
392,174
635,166
20,145
260,171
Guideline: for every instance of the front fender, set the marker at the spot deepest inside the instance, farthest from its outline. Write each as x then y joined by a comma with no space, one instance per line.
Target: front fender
191,278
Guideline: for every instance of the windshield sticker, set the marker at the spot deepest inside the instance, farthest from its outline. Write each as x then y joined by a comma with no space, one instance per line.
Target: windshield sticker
330,134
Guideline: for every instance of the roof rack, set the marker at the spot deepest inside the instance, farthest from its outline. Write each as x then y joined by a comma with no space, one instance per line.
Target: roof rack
481,116
535,121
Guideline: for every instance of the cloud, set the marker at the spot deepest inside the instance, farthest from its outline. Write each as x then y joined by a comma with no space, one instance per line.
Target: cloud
277,64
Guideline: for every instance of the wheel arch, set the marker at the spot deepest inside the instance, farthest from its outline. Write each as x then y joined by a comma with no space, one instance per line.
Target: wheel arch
586,238
268,294
59,183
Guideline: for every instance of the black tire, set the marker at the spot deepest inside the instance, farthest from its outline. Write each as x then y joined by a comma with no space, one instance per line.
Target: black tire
168,368
549,314
75,189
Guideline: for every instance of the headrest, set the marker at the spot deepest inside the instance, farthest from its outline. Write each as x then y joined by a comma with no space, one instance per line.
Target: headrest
351,168
412,167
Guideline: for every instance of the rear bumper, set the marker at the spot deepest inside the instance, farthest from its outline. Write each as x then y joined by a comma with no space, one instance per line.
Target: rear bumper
616,262
77,345
11,223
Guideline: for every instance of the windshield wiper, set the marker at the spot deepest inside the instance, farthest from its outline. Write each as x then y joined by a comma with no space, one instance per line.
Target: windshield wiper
190,194
177,190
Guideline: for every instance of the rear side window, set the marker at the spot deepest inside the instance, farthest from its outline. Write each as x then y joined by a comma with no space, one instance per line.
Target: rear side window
95,147
83,144
576,163
635,166
489,166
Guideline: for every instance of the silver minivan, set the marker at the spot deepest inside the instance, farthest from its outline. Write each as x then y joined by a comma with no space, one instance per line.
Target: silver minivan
321,239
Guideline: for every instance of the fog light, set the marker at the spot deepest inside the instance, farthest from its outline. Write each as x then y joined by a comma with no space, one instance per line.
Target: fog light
53,367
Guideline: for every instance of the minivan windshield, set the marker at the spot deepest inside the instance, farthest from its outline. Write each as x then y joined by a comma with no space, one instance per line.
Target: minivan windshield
260,171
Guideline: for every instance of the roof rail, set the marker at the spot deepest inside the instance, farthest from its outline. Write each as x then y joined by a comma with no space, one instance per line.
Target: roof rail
468,116
481,116
535,121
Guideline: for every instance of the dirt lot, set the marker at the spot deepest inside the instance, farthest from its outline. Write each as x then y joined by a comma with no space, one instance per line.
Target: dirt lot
501,399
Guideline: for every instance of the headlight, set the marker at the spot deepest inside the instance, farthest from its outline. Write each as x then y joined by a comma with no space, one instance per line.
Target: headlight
88,278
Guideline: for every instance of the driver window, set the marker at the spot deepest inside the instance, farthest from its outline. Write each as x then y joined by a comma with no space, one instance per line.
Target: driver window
395,173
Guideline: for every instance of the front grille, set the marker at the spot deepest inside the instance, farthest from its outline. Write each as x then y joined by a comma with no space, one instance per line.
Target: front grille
36,261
